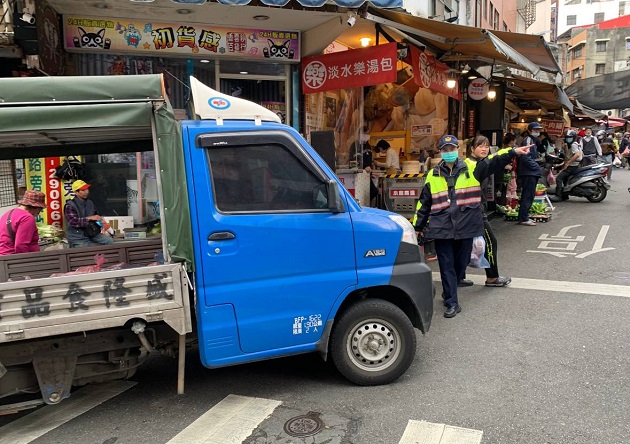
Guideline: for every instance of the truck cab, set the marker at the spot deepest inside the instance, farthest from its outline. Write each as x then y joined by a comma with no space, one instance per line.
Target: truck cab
286,260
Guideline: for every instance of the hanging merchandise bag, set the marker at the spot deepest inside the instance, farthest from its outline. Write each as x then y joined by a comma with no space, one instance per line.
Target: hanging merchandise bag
70,169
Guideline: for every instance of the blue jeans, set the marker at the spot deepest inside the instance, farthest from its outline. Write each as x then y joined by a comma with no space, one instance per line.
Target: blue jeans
609,159
99,239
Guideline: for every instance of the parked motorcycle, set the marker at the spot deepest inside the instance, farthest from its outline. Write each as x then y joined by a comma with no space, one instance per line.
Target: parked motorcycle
589,181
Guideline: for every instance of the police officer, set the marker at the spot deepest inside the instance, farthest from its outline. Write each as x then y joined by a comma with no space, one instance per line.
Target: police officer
450,204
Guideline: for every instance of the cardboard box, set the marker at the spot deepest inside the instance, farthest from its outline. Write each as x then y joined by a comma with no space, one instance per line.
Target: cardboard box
119,223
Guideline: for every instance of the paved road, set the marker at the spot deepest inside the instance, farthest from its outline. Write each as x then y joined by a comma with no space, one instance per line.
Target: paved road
544,361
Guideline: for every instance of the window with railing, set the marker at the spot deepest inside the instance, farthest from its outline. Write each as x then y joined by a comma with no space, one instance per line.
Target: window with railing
577,52
571,20
600,46
600,68
598,17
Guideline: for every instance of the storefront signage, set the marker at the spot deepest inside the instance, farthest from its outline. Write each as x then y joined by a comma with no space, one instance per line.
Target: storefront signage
154,39
421,130
431,74
40,176
471,123
478,89
405,192
555,128
350,69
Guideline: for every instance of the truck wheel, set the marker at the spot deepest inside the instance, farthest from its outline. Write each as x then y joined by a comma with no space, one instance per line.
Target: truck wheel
373,342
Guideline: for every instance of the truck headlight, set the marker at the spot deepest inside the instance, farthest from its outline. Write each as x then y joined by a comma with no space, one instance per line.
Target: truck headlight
409,233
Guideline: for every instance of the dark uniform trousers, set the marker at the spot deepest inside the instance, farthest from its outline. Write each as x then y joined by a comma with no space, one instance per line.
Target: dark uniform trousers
453,257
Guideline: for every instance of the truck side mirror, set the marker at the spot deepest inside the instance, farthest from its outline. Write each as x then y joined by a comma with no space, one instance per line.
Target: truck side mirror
335,204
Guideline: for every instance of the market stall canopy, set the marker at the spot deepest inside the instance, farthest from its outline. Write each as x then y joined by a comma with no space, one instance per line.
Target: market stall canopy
605,91
581,110
524,91
59,116
464,43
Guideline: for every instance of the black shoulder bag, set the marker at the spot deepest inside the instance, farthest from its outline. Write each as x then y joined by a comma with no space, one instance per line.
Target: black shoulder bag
70,169
93,228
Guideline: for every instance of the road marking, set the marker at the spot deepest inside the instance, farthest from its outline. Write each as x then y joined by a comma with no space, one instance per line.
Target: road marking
229,422
557,286
42,421
422,432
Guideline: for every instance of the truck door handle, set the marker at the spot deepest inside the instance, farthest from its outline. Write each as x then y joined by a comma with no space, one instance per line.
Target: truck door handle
221,235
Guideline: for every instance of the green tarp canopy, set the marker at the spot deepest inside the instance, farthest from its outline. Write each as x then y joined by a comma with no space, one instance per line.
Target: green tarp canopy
58,116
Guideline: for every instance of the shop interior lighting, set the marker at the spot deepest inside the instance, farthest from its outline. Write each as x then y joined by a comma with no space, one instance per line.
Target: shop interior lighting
472,76
261,18
492,94
365,41
244,72
204,61
451,82
466,69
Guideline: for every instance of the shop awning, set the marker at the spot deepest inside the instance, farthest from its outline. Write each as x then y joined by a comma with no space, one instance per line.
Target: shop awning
353,4
464,43
549,95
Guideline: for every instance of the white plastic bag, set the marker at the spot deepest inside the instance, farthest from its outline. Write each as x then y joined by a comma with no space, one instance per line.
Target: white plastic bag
477,255
617,162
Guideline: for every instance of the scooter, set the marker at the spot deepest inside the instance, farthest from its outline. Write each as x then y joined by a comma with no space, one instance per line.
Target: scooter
589,181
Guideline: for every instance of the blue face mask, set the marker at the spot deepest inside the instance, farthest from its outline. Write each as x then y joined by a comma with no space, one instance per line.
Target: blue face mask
569,140
450,157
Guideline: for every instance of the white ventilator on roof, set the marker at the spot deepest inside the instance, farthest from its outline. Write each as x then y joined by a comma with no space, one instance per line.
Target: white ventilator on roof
213,105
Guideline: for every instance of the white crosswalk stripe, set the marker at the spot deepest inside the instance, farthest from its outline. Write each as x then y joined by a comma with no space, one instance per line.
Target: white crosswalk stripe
229,422
36,424
422,432
557,286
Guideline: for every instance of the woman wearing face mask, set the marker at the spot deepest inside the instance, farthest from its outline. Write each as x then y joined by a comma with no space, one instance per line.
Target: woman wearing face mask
527,173
479,162
450,209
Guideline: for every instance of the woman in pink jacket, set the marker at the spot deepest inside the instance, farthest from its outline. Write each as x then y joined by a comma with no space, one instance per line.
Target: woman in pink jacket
18,230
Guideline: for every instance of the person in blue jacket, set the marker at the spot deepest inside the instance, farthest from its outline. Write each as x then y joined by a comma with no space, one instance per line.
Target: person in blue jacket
527,173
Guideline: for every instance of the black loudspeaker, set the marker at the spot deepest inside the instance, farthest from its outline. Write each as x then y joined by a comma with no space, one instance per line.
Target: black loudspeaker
491,113
324,143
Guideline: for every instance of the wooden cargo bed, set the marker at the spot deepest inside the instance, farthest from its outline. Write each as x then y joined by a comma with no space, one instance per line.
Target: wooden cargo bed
45,263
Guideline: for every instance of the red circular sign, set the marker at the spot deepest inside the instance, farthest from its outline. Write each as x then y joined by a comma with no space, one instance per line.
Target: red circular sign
478,89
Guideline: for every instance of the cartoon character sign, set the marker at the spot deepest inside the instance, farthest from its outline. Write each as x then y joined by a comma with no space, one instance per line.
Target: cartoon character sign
95,40
280,50
132,36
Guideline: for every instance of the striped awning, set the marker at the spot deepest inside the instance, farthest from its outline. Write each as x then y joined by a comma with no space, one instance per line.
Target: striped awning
352,4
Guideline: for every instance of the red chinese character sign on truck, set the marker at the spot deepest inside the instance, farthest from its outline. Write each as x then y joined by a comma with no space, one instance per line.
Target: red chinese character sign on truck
350,69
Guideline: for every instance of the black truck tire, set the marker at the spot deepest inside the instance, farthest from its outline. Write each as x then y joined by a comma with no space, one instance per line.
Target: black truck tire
373,342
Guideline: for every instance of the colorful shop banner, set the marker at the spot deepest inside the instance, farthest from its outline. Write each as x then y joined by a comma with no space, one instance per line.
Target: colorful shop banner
154,39
431,74
349,69
555,128
40,176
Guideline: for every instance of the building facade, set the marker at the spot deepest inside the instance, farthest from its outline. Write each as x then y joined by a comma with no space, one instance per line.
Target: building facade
571,13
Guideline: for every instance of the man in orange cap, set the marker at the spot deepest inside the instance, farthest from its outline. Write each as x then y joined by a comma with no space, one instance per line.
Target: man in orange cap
18,229
81,215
